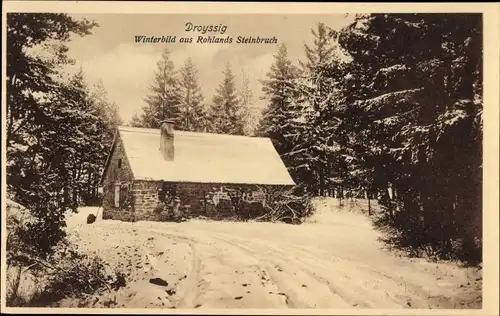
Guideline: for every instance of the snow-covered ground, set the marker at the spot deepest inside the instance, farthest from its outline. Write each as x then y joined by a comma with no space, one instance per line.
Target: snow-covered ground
333,261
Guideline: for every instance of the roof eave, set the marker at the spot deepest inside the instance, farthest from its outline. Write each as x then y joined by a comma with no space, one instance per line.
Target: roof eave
290,184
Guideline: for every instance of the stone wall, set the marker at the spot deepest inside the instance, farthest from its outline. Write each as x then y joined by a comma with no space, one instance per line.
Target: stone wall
151,200
117,173
215,201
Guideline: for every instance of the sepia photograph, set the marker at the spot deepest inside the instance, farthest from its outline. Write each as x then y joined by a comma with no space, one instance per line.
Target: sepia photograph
243,161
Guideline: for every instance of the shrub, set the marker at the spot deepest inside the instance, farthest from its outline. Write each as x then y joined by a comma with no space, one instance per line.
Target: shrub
159,208
279,205
405,230
73,274
61,273
287,207
172,212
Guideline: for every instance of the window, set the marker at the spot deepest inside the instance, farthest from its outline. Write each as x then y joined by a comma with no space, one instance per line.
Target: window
117,194
119,163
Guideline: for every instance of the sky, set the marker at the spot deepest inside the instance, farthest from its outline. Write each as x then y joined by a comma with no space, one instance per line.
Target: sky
110,54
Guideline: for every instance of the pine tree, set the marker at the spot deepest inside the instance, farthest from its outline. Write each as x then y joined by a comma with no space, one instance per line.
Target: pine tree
415,120
280,119
164,99
247,104
193,112
107,119
225,114
40,124
320,89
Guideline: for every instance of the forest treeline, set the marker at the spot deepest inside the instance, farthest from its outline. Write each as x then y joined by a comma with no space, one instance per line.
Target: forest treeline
58,133
390,107
177,94
59,129
387,108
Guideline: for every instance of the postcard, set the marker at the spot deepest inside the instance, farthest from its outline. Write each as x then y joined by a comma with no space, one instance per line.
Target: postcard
226,158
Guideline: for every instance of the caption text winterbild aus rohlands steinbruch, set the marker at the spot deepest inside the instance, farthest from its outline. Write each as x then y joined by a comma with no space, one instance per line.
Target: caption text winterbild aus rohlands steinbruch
205,37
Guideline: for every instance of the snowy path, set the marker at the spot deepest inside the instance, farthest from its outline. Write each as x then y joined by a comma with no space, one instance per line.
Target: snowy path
336,263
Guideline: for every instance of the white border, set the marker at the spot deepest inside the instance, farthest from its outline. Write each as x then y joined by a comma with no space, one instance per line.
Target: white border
491,131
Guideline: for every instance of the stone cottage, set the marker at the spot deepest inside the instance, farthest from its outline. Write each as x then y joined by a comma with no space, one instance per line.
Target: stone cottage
151,171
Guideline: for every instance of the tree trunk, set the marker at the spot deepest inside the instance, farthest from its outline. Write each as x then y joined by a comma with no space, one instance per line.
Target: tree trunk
75,197
321,183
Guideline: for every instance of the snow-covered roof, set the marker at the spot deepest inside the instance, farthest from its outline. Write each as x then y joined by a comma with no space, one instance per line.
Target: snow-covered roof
204,158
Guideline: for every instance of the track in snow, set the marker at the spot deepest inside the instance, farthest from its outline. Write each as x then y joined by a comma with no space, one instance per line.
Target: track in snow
336,263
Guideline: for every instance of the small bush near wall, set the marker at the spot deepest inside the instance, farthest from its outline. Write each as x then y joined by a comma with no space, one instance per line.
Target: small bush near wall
278,205
172,212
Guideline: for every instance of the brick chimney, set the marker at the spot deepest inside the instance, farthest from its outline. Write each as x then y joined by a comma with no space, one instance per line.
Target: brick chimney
167,139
